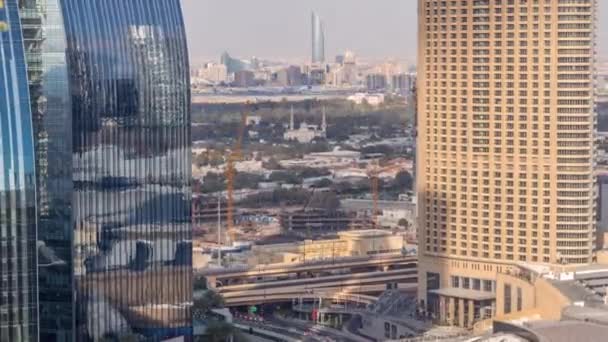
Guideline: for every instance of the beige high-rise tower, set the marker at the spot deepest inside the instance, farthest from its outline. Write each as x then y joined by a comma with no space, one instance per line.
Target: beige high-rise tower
505,156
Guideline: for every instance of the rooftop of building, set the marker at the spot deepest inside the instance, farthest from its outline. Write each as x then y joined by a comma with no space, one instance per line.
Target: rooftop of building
597,315
573,290
336,153
565,272
362,204
364,233
590,269
567,331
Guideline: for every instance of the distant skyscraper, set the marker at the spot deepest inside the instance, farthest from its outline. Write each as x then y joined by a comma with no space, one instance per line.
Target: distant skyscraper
602,203
403,83
115,243
244,78
339,59
290,76
234,64
213,72
18,279
602,116
318,39
506,147
375,82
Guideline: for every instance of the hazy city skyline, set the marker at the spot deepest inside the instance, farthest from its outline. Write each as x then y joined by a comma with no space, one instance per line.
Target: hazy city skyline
281,29
318,170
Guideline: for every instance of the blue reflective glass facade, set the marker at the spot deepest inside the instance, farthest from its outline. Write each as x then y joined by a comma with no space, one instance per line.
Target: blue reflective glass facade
318,39
117,252
18,278
55,185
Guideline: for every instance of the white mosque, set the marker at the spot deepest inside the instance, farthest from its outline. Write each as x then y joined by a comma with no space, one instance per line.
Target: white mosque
306,133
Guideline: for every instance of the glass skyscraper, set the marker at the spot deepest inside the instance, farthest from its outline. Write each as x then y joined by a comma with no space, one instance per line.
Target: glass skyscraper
318,39
115,251
18,293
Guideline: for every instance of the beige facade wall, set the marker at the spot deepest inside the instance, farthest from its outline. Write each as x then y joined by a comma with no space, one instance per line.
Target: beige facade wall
549,301
447,268
538,298
518,286
506,134
602,257
348,244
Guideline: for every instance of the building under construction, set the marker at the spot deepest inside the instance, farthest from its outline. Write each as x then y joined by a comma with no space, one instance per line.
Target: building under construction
205,209
320,221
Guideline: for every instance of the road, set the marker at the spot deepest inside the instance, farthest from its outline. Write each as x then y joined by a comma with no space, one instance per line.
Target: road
300,330
319,330
353,325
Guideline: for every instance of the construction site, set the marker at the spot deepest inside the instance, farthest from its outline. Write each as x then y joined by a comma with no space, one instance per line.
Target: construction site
291,200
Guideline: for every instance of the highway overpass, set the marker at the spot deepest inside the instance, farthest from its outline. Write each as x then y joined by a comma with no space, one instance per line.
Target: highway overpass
274,272
352,276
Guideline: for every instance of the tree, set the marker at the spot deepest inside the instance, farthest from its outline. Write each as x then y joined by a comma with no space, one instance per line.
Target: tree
363,185
311,172
403,180
323,183
297,197
272,164
403,223
285,177
217,332
244,180
209,300
200,283
341,187
213,182
325,200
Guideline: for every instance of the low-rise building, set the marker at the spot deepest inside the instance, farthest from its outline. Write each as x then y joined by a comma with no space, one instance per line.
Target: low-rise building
375,82
371,99
334,159
322,221
213,72
306,132
244,78
391,213
347,244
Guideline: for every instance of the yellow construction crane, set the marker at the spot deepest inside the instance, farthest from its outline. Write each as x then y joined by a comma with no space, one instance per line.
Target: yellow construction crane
230,173
373,175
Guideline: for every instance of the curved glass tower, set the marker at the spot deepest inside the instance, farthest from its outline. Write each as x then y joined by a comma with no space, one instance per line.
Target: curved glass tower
318,39
18,279
116,253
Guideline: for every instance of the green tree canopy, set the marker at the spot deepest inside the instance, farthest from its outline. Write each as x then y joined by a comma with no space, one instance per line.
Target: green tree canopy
404,180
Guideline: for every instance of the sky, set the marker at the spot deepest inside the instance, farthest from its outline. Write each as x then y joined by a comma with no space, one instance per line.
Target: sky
280,29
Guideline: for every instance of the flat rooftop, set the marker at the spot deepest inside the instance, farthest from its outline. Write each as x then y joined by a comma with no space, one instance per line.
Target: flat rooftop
568,331
592,268
362,204
574,291
597,315
365,233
